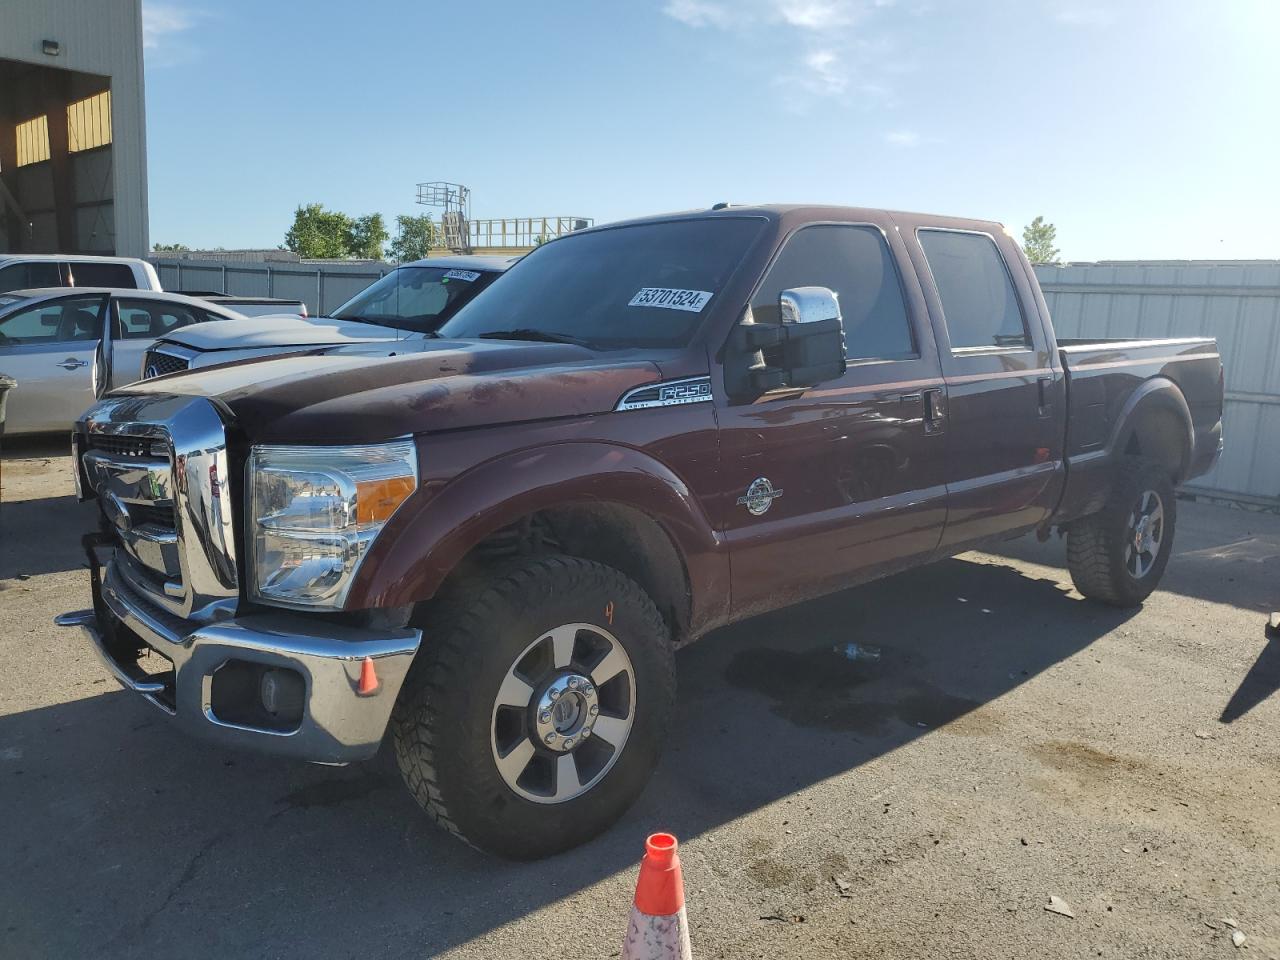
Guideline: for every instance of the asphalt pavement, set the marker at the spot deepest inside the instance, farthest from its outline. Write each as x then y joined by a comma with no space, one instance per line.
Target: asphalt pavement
1011,742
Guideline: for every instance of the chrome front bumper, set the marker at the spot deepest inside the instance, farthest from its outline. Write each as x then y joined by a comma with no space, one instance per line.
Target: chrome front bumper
338,724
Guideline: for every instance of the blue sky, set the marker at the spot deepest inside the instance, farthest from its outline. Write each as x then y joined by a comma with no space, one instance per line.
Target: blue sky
1142,129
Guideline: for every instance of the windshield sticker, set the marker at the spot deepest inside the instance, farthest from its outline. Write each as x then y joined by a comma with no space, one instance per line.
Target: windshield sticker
690,300
467,275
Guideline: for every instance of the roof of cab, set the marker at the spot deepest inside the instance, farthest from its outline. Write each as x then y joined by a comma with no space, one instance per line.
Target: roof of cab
490,264
801,211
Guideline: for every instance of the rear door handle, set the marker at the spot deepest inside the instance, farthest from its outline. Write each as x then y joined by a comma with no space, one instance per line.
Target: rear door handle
935,411
71,363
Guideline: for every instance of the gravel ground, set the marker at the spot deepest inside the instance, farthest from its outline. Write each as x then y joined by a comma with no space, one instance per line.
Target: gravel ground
1012,743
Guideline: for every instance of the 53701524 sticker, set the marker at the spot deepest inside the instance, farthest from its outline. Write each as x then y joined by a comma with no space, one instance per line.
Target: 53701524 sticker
468,275
669,299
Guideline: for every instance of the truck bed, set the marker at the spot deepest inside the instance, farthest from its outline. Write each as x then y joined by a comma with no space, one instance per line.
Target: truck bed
1107,379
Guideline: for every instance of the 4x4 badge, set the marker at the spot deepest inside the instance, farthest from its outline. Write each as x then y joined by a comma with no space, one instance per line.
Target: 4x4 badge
759,497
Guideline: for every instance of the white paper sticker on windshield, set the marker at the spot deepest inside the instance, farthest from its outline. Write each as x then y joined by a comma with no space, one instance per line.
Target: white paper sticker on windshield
467,275
691,300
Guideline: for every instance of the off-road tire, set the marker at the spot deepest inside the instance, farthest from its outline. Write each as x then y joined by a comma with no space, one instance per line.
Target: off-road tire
441,724
1096,544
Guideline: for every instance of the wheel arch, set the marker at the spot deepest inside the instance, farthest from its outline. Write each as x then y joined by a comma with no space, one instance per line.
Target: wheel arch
1156,423
604,502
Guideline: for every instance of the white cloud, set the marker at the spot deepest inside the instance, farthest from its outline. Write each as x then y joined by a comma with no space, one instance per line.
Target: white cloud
161,20
1084,16
700,13
816,14
826,72
903,138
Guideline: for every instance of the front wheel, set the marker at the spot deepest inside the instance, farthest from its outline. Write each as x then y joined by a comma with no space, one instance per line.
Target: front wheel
535,716
1119,554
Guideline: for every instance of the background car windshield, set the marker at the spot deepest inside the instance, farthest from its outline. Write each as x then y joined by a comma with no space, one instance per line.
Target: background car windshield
416,298
647,285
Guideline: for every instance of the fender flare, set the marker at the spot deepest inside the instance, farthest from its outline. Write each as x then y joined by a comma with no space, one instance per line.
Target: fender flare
1155,394
424,542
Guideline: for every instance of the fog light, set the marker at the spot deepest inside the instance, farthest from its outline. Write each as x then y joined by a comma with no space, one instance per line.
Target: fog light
257,696
281,692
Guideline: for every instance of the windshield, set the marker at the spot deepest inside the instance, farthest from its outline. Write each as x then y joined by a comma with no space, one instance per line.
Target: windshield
647,285
416,298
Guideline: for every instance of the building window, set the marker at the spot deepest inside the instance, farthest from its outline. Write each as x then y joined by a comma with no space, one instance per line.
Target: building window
89,122
33,140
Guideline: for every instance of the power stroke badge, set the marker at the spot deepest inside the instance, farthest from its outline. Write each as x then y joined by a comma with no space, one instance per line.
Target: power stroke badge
759,497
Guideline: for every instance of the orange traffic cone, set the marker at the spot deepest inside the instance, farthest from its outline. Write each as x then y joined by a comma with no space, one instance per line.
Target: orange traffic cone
658,929
368,684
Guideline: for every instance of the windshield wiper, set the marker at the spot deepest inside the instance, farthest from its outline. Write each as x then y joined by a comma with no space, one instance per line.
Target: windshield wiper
528,333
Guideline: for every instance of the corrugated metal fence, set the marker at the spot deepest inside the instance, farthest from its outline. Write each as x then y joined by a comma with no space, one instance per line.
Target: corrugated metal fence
1236,301
321,286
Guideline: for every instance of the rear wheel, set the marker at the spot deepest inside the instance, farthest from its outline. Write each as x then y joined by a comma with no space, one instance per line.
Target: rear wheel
534,717
1119,554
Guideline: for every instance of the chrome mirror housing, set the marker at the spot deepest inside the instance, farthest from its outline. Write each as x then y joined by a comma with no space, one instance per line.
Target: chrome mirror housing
808,305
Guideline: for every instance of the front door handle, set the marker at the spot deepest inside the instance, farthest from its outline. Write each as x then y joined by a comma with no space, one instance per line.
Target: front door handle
71,363
1043,386
935,411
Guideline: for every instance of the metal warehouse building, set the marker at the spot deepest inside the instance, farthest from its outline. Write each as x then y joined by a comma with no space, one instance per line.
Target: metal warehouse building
73,162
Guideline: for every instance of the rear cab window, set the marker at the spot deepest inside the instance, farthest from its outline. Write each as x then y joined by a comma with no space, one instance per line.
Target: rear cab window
88,274
979,304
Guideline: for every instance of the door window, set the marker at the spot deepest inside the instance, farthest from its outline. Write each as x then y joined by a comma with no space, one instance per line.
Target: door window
89,274
855,262
148,319
30,276
978,301
60,321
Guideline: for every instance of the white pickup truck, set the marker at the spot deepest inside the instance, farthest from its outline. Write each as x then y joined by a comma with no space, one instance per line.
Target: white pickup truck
400,310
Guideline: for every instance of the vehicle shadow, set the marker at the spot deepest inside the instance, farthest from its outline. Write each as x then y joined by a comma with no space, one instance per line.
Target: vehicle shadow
124,838
1220,555
42,536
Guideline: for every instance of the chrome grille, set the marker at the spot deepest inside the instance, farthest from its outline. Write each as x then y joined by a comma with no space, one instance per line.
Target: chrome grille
158,466
129,446
158,364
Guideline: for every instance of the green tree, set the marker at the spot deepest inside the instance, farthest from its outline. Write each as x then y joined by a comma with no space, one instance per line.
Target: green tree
1037,240
171,248
368,237
318,233
415,236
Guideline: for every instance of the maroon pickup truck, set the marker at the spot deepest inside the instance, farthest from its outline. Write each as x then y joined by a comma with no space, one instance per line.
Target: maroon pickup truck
490,547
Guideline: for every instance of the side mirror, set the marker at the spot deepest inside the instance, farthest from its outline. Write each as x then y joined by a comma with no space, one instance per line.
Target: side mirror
806,348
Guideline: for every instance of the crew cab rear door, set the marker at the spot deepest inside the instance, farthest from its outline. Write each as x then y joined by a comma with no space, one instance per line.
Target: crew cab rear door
1004,420
829,484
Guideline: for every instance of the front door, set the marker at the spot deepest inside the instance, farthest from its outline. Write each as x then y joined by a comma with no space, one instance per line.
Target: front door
828,485
1004,435
49,349
138,322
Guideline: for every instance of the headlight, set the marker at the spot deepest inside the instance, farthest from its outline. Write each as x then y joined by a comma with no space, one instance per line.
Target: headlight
313,511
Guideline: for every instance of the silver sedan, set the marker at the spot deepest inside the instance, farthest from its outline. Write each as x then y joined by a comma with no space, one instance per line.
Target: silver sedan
52,342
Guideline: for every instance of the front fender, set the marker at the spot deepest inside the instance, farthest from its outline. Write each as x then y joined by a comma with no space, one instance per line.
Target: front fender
425,541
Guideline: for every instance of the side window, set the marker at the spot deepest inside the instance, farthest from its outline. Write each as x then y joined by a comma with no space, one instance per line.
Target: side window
148,319
856,263
978,300
62,321
89,274
30,276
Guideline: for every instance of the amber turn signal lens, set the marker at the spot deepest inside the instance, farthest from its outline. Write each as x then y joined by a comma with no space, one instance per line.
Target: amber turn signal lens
377,500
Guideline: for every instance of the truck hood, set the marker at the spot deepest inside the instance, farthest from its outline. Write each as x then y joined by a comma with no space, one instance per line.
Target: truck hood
284,330
441,385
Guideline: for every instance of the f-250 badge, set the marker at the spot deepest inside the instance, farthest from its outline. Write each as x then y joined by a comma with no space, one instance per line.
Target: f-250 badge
759,497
